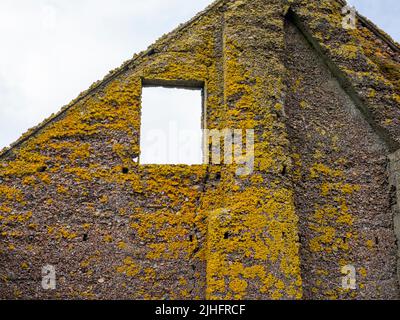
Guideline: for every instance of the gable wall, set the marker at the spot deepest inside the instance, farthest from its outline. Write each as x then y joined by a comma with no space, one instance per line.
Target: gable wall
187,232
362,63
171,232
341,180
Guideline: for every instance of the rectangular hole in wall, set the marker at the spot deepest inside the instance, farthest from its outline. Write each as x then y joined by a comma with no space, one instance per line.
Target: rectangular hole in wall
171,125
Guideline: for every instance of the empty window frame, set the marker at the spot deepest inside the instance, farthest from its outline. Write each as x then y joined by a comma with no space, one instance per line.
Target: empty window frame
171,125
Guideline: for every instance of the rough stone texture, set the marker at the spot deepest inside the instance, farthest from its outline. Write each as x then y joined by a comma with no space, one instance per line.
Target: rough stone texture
73,197
363,63
252,232
342,190
394,180
71,194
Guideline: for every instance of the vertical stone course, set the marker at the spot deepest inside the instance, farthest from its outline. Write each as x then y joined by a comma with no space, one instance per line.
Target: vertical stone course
394,179
340,175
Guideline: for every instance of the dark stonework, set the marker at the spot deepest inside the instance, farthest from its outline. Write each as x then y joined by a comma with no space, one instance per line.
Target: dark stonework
330,136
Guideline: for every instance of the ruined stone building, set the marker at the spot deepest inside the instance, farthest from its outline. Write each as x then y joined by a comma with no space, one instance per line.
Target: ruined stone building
324,103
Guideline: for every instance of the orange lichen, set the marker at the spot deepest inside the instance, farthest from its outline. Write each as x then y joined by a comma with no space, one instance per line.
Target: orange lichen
129,268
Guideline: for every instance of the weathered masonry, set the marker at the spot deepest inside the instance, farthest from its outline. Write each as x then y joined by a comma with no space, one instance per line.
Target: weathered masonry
324,104
394,180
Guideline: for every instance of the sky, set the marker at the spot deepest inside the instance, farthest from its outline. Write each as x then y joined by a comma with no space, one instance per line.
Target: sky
171,134
51,50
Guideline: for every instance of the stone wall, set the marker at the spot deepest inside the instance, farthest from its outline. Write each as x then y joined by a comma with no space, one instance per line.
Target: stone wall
394,176
73,196
341,186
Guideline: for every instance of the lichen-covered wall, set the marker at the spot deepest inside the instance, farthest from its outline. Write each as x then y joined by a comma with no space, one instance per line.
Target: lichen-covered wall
72,194
73,197
252,237
366,67
364,64
342,187
394,180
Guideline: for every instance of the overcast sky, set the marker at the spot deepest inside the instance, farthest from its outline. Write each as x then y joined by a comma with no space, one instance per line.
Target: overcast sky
51,50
